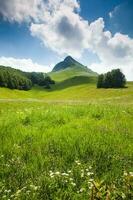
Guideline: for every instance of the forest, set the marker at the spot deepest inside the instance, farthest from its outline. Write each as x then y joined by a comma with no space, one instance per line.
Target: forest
17,79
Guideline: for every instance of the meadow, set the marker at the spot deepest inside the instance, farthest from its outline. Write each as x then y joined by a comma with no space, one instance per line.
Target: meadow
74,143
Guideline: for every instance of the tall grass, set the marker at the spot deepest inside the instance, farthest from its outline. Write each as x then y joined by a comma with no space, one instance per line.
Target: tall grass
39,143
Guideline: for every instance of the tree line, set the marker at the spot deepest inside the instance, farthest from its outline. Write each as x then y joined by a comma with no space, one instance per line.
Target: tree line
40,79
16,79
112,79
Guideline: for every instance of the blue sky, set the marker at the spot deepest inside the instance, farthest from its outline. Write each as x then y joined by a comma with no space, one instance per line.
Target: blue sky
35,35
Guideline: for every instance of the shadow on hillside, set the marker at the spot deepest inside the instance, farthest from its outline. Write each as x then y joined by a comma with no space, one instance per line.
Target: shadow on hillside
74,81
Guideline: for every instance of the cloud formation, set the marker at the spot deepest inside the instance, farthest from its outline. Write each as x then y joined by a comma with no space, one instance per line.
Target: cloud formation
24,64
58,24
21,10
62,27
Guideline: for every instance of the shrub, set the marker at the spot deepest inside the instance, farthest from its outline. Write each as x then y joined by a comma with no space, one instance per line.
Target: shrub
113,79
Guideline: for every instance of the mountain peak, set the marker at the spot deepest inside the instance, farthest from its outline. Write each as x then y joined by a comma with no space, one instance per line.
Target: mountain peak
69,58
68,62
69,68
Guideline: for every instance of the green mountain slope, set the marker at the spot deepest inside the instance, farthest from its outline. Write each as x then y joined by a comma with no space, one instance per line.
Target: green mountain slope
69,68
68,62
70,73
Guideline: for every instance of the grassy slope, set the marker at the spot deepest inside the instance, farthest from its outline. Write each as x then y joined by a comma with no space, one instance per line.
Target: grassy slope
70,72
83,92
73,84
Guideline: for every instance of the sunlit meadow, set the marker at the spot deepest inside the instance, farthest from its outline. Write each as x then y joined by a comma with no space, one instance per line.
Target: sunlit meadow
65,151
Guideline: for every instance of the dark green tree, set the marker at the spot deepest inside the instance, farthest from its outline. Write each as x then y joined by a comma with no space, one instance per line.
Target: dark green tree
16,79
100,81
113,79
107,80
118,79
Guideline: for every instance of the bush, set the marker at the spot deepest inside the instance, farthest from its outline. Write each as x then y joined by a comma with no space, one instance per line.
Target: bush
113,79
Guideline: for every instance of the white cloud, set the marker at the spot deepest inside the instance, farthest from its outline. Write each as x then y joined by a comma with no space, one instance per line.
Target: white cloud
24,64
103,68
21,10
58,24
113,51
62,29
110,14
115,10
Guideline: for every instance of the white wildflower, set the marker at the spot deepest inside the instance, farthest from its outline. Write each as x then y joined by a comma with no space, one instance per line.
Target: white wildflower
74,184
18,192
88,173
82,189
35,188
131,173
77,162
71,179
57,173
125,173
65,174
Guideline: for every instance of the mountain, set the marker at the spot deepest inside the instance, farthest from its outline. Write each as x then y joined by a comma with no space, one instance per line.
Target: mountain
65,74
69,73
70,68
68,62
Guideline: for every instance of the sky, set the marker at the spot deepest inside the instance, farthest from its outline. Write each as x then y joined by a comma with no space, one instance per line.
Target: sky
37,34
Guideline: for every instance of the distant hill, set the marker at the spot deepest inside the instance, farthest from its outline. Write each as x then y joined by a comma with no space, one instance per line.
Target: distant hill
14,79
17,79
70,63
70,73
65,74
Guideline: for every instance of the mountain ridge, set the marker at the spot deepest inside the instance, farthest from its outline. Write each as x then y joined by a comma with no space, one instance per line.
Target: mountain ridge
68,62
69,68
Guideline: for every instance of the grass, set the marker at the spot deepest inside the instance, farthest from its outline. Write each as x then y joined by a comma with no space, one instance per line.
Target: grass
70,72
85,92
37,138
66,143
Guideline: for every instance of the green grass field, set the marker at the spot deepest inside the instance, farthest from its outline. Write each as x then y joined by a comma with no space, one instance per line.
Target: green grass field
85,92
66,143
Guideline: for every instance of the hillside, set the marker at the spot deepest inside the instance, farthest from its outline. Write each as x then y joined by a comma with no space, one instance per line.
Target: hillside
14,79
65,74
17,79
75,83
70,68
69,73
